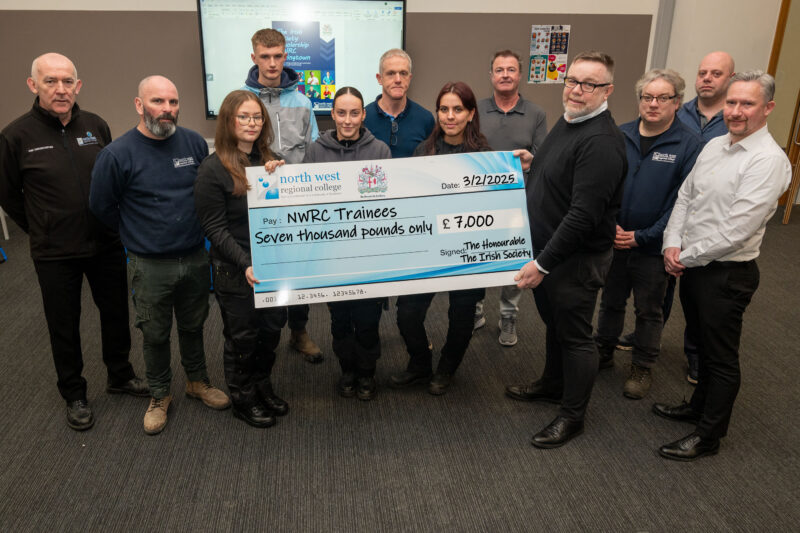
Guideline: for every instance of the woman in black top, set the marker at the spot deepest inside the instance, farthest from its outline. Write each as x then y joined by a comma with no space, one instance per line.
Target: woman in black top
242,139
354,323
457,131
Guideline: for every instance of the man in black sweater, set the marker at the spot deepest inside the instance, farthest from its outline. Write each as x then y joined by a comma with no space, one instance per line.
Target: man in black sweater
574,195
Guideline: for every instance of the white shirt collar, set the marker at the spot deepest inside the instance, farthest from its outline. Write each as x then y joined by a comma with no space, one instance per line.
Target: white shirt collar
593,114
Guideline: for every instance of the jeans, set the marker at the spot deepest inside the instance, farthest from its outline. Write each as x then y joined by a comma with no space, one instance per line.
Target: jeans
251,336
356,341
646,277
160,287
566,299
510,296
714,298
411,311
61,282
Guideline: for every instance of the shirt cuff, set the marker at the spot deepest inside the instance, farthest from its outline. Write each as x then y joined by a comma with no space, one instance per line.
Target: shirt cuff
539,267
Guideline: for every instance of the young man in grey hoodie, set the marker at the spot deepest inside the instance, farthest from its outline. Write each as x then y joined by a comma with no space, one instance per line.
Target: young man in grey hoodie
295,128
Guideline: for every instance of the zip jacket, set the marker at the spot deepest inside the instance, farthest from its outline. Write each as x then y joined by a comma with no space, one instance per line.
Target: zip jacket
293,122
653,180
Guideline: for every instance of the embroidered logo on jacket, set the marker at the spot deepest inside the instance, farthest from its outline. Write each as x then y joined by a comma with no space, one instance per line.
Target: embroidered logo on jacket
179,162
664,158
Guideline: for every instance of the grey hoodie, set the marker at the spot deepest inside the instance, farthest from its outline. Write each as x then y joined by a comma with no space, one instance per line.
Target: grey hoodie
328,149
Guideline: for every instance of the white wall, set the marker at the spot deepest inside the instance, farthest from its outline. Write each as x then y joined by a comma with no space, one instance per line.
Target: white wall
742,28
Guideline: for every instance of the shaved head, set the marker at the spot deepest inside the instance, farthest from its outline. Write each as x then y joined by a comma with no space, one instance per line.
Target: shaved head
713,76
722,59
155,82
157,105
54,81
51,59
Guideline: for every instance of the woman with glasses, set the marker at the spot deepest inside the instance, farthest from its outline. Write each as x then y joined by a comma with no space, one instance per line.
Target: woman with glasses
354,323
457,131
242,139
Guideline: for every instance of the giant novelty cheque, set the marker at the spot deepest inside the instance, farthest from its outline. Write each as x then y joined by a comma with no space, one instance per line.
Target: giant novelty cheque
366,229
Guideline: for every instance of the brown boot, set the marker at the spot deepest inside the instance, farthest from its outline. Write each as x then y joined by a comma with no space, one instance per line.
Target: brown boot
156,416
638,383
208,393
301,342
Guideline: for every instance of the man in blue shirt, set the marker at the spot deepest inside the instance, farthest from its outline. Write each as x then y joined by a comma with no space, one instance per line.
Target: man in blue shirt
703,114
143,184
393,117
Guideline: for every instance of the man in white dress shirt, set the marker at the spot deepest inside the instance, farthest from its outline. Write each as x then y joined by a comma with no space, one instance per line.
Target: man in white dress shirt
712,240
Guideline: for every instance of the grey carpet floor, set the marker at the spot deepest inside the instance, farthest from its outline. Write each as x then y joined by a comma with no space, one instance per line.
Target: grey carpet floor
406,461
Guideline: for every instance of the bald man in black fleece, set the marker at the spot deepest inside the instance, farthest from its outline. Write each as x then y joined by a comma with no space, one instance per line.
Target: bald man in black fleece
574,195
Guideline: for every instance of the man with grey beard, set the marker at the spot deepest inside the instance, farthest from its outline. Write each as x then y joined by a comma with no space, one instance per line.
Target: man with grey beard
143,184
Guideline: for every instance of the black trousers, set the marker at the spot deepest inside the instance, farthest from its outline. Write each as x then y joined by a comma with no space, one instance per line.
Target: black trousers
566,299
714,298
251,336
411,311
298,316
354,327
61,282
645,276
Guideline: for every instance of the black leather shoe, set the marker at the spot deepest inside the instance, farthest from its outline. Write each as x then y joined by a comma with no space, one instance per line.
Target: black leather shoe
407,379
278,406
682,412
346,386
557,433
365,388
134,386
259,416
535,392
79,415
439,384
689,448
271,401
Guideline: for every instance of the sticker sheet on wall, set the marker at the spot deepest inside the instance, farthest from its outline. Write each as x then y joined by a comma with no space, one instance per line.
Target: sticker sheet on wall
548,59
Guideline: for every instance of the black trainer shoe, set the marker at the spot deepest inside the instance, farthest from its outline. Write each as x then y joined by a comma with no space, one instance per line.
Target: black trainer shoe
406,379
346,386
439,384
79,415
134,386
625,343
366,387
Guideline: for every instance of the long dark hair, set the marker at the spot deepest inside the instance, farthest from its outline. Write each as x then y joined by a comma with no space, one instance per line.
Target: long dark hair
226,145
474,141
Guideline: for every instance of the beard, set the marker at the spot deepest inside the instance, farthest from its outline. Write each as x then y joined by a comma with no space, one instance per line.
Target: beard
160,129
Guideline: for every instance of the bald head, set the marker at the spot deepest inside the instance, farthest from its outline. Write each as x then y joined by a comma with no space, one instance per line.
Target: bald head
713,76
54,80
157,106
50,60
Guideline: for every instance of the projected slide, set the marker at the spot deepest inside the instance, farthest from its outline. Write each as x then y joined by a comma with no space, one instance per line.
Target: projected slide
330,43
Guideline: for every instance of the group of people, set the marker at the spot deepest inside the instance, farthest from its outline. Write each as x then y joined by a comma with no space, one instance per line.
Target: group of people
685,190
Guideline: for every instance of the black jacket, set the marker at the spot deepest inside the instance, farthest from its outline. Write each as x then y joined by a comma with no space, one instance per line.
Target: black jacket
224,217
45,172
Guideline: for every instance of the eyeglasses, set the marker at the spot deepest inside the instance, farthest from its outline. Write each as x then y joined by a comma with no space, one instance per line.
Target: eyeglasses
586,86
393,136
662,98
244,120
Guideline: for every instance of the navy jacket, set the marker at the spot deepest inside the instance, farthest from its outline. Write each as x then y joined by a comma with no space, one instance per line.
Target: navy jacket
688,114
653,180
